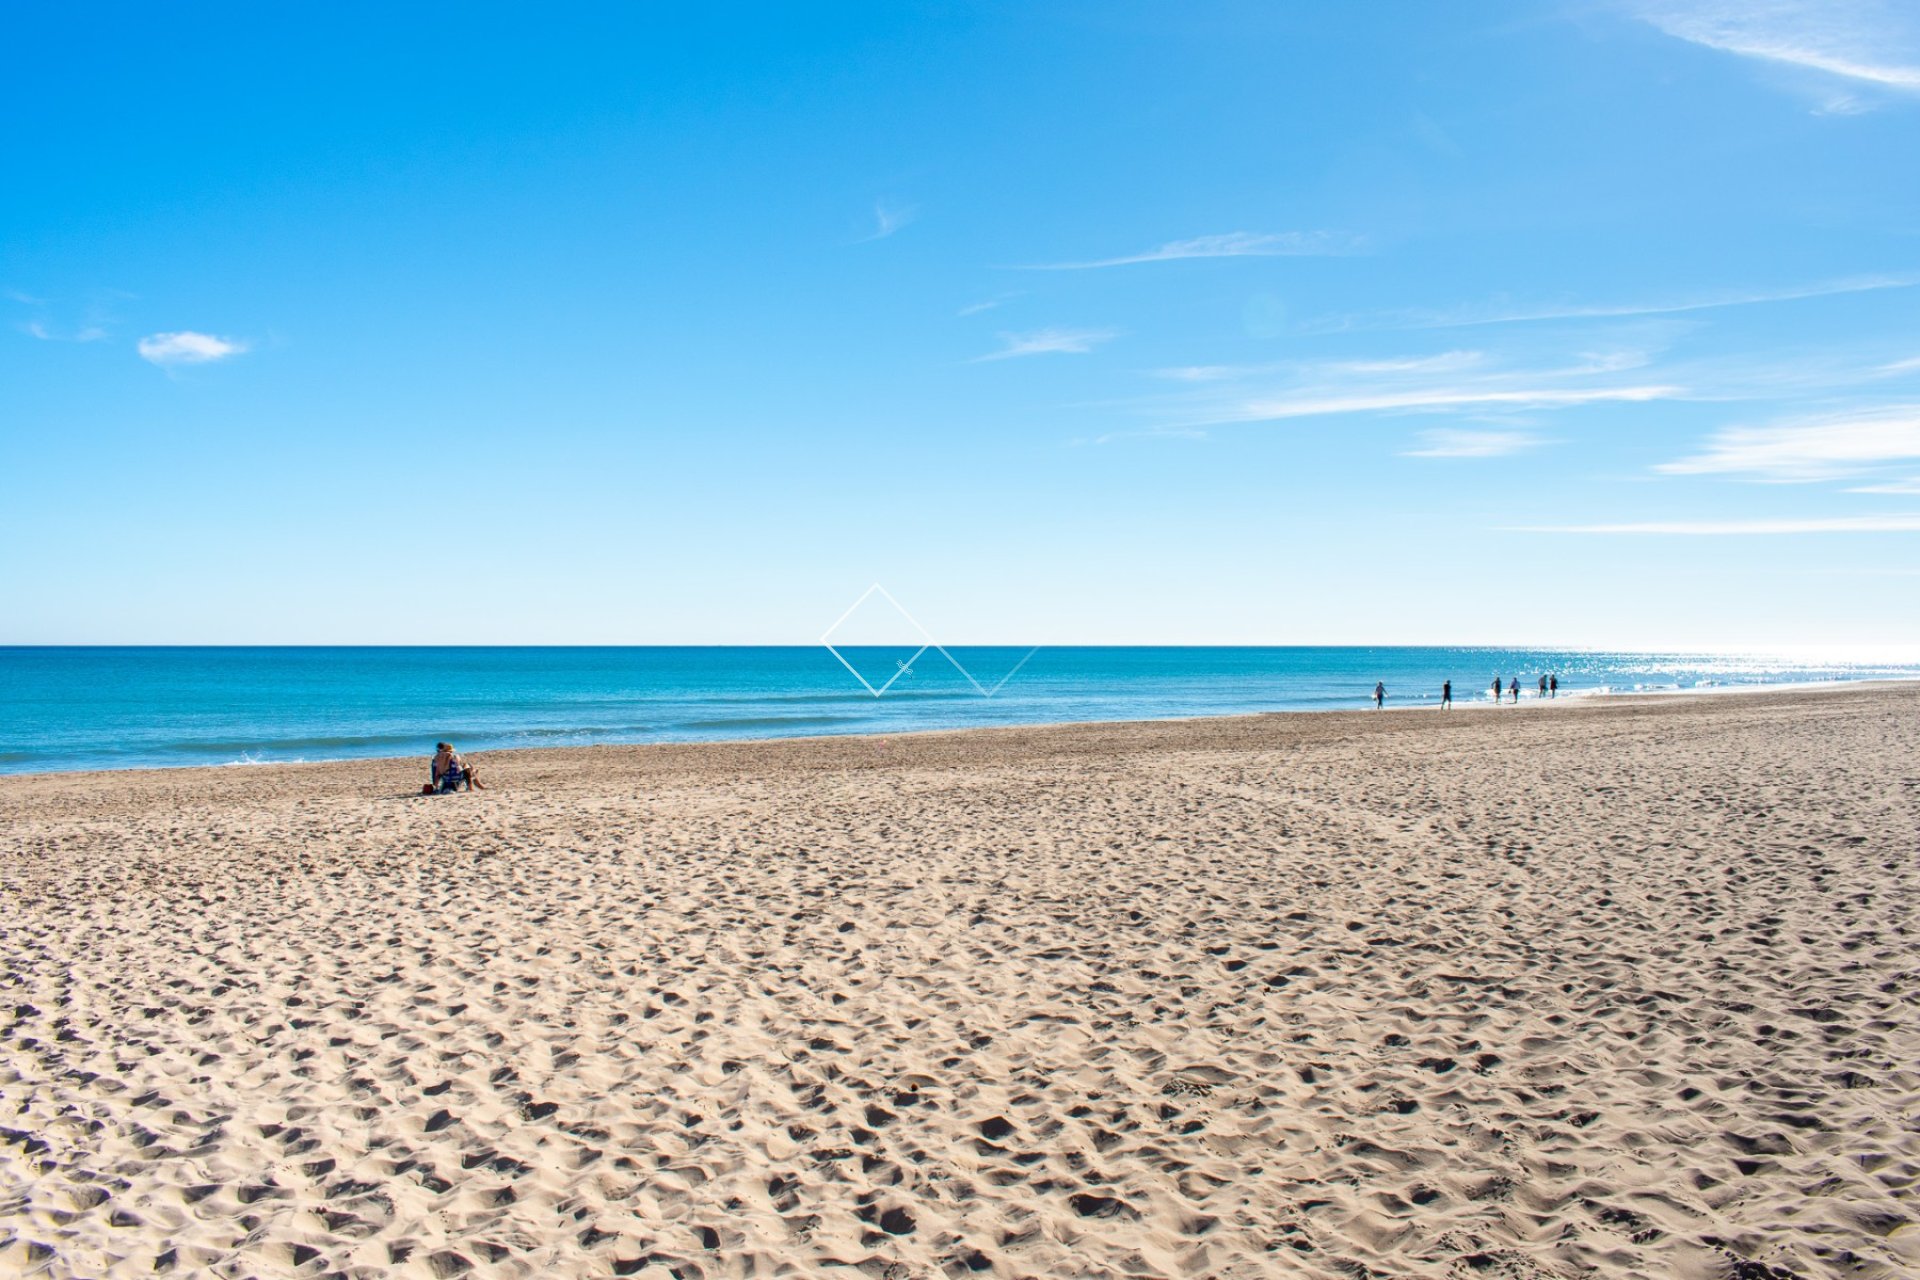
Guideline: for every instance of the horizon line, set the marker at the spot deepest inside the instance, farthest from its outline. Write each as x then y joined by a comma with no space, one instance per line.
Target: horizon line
1782,647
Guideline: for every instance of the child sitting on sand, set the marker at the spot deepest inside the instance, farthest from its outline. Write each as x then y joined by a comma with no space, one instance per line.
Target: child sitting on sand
450,772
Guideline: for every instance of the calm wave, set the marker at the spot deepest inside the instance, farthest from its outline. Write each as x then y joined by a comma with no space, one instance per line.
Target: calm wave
93,708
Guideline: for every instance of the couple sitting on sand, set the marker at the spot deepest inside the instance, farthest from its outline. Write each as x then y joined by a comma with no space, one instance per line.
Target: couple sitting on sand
450,772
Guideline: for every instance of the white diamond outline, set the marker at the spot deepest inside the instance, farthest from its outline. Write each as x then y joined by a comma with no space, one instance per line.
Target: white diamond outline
907,666
904,667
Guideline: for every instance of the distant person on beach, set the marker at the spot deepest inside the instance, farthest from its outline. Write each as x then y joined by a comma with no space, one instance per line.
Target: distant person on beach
450,772
1496,688
1553,686
1514,689
1446,694
1543,686
1379,693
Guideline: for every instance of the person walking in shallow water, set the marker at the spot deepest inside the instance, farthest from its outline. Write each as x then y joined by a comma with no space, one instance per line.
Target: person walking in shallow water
1543,686
1379,694
1496,688
1514,689
1553,686
1446,695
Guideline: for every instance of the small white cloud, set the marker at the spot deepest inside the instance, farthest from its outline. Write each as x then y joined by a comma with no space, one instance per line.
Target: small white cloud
1910,488
1449,443
1736,528
889,218
187,347
1814,449
1042,342
1909,365
1234,244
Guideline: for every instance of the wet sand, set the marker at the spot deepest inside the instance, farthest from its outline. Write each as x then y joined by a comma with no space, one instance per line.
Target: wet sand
1625,988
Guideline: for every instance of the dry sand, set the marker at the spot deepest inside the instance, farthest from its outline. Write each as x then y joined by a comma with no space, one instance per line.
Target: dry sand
1620,989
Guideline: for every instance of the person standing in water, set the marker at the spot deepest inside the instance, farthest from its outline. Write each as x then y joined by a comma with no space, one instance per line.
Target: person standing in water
1514,689
1543,686
1496,688
1553,686
1379,693
1446,695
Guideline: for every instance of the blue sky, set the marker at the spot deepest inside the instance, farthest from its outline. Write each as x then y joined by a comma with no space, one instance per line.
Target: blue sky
1586,323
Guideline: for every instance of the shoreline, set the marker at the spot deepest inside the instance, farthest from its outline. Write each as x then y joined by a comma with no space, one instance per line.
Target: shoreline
1530,701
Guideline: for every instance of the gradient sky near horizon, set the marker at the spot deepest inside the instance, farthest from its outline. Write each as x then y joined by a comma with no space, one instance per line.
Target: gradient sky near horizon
1564,323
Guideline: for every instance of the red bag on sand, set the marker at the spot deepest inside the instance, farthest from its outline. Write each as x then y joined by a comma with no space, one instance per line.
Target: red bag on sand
427,789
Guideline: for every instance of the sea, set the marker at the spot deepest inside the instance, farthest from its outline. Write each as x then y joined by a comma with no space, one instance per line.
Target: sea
119,708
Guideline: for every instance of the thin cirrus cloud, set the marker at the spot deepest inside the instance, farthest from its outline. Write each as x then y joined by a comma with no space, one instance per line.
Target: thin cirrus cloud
889,218
1443,362
1892,523
1446,442
987,304
187,347
1233,244
1870,43
1509,313
1450,398
1044,342
1824,448
89,333
1463,384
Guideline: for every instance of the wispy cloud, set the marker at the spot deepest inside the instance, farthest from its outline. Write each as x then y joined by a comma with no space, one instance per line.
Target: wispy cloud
1450,397
1043,342
1909,523
187,347
1445,442
889,218
1444,362
39,329
1504,312
1823,448
90,325
1908,487
1500,399
988,304
1233,244
1866,42
1209,372
1909,365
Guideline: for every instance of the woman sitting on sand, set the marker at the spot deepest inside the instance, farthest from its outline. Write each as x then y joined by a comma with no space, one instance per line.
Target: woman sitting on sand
450,772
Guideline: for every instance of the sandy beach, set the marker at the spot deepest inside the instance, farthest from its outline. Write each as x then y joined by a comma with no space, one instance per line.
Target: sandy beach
1621,989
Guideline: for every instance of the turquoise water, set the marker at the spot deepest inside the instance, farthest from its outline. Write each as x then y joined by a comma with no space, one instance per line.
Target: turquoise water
95,708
